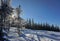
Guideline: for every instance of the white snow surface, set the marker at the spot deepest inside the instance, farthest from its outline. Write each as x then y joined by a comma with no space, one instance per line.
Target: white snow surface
33,35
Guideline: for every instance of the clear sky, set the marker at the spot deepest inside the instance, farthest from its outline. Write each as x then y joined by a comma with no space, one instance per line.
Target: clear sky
40,10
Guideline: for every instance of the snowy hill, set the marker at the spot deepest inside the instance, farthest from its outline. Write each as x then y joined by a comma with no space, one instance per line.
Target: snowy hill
33,35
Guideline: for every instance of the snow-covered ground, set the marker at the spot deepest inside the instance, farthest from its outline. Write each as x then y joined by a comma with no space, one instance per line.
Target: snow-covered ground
33,35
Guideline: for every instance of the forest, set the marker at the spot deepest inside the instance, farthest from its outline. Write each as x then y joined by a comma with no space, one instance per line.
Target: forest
41,26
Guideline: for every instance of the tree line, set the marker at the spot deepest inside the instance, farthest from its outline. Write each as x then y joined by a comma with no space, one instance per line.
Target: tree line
41,26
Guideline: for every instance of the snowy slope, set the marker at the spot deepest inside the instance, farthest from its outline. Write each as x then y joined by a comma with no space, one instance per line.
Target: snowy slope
33,35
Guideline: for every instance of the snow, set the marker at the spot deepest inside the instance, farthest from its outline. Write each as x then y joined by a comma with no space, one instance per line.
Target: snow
33,35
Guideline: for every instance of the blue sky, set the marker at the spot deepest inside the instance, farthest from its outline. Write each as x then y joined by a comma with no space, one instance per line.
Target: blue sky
40,10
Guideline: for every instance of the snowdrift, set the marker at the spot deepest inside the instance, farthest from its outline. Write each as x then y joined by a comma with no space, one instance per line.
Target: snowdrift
33,35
